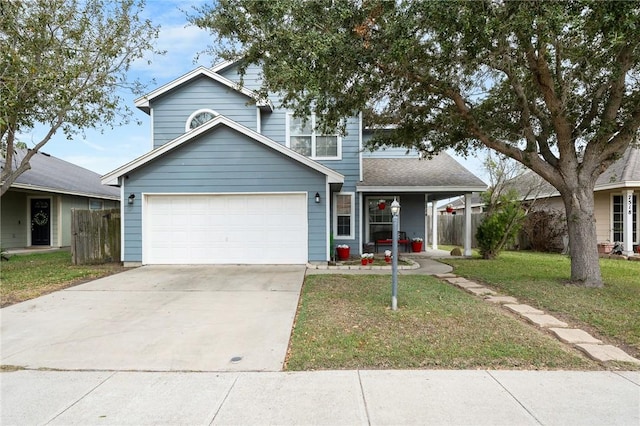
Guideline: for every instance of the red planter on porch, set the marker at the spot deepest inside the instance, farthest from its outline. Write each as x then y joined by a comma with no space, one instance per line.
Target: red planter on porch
416,246
343,253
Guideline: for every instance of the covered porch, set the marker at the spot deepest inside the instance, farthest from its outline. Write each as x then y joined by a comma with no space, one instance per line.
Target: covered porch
418,185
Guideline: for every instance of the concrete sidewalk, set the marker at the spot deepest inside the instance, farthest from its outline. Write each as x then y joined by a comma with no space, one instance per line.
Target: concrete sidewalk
403,397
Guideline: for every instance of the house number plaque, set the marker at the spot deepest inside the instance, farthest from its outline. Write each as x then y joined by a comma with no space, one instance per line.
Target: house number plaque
629,204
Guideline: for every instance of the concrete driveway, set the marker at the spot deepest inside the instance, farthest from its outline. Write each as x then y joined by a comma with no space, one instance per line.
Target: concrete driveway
159,318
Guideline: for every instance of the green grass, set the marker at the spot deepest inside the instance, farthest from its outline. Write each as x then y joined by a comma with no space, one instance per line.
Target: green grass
540,279
344,322
27,276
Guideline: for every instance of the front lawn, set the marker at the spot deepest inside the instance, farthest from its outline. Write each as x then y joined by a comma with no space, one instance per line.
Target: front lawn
539,279
344,322
31,275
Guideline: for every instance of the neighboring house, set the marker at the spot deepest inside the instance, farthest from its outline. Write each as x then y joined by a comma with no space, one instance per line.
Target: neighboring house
234,178
615,200
36,210
457,206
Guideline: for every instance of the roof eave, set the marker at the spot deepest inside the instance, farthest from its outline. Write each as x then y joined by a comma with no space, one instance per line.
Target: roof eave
64,192
143,102
409,188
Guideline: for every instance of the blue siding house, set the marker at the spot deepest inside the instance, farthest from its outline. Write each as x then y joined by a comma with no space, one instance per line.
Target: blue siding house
233,178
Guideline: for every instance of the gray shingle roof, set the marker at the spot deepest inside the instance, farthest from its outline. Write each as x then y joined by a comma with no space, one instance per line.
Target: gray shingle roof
440,171
626,169
55,175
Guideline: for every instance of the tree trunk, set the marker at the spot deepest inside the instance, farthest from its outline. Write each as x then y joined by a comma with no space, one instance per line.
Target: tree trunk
581,223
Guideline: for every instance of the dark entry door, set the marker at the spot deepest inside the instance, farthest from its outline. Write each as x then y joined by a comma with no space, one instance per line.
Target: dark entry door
40,222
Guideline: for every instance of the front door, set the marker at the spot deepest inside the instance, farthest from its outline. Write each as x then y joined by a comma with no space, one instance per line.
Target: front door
40,222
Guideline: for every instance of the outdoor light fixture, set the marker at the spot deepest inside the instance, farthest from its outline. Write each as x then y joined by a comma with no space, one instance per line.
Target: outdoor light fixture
317,197
395,211
395,208
131,198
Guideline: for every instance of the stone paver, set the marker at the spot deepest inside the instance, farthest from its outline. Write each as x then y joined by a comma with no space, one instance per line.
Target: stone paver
607,353
544,320
574,336
523,309
447,275
466,284
480,291
501,299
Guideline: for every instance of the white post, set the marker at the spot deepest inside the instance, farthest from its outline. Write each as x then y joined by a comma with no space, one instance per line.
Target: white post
434,225
467,224
395,211
627,223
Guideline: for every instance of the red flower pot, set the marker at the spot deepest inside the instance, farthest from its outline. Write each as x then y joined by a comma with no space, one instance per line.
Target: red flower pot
381,206
370,260
416,246
363,261
343,253
387,259
449,209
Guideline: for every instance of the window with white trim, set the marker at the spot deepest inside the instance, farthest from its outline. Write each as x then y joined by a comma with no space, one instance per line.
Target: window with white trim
304,139
198,118
618,217
343,215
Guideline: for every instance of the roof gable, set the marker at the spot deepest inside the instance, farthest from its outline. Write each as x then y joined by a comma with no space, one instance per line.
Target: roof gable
112,178
143,102
52,174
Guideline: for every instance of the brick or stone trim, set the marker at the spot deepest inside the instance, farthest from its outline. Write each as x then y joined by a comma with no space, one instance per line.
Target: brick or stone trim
411,265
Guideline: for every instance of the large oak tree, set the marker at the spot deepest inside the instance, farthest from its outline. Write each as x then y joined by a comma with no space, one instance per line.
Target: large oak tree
554,85
62,63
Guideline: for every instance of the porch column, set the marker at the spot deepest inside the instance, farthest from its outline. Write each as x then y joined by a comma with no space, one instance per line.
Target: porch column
434,226
627,222
467,224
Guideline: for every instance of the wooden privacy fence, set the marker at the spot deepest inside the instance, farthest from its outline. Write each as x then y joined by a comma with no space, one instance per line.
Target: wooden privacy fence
95,236
451,229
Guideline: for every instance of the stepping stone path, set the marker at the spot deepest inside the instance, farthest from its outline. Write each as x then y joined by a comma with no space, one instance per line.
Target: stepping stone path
580,339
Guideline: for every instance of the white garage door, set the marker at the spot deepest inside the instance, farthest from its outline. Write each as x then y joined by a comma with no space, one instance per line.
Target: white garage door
242,229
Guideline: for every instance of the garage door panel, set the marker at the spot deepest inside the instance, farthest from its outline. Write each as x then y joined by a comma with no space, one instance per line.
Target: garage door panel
252,228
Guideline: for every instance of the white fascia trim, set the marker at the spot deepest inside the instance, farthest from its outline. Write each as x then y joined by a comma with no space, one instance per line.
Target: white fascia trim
618,185
62,191
111,178
222,65
143,101
434,189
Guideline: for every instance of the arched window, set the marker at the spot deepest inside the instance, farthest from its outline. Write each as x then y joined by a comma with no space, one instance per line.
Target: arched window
199,117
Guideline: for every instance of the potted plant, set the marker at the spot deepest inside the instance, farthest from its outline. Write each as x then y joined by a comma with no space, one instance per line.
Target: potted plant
387,256
343,251
416,245
382,204
449,208
370,257
364,258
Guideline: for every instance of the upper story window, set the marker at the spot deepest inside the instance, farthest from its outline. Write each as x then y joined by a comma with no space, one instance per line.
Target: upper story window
305,140
199,117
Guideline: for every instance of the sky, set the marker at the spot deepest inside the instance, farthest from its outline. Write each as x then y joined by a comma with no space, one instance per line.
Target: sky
107,149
